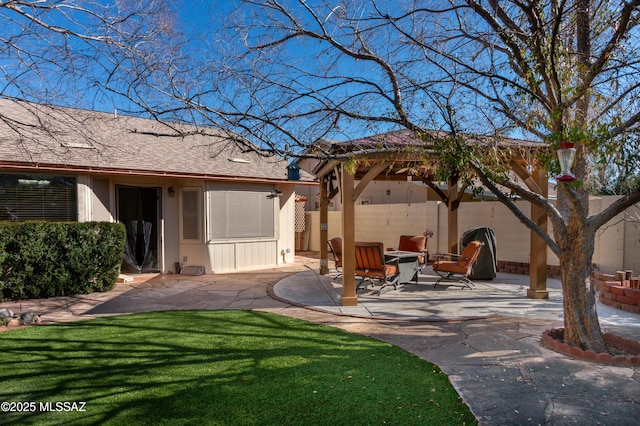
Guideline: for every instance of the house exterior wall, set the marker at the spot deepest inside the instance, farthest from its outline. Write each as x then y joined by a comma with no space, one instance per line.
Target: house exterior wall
101,200
247,254
84,198
215,257
617,243
170,232
240,255
98,203
121,168
192,253
286,225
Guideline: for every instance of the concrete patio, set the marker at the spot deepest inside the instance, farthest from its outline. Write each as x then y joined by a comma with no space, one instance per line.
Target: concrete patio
505,295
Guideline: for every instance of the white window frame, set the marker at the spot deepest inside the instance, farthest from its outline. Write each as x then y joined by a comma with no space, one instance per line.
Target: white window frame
266,191
32,198
193,216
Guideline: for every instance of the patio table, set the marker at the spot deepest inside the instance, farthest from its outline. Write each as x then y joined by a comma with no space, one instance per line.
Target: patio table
407,264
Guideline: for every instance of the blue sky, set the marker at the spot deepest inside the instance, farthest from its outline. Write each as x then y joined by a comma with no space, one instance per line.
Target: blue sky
201,22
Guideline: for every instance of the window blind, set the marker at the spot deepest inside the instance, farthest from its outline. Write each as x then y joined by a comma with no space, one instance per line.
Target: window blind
237,214
37,197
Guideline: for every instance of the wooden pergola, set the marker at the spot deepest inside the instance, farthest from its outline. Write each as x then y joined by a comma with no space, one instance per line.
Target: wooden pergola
397,155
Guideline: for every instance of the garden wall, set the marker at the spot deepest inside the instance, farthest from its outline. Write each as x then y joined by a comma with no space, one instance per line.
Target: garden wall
620,290
617,243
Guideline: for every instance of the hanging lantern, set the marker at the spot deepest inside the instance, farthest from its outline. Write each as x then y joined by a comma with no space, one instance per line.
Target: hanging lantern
566,153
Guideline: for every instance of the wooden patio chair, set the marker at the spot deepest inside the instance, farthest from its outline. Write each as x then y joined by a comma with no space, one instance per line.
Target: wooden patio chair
371,265
453,267
335,247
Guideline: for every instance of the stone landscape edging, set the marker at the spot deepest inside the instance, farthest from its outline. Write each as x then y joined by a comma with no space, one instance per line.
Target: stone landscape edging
552,339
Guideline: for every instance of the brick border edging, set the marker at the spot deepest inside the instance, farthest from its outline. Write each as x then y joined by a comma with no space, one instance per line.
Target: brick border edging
522,268
551,339
619,294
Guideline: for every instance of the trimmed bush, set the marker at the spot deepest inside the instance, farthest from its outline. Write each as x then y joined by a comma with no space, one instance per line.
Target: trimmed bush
46,259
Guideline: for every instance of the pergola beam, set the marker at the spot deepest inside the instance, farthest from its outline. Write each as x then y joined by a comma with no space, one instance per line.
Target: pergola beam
371,174
327,168
526,177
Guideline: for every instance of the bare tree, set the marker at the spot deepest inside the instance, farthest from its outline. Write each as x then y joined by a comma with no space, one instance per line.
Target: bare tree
560,71
70,53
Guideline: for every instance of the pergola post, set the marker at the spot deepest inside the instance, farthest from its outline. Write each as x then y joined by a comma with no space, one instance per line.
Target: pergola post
452,214
324,225
349,296
538,248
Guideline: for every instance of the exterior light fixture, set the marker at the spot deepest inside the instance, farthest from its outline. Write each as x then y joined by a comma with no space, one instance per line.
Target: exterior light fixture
171,191
566,153
275,193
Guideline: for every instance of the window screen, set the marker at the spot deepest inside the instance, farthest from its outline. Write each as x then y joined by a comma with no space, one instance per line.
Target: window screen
236,213
191,214
38,197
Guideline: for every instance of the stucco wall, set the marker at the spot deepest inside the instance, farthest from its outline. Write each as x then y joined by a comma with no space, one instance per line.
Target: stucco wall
632,239
286,229
235,255
97,202
617,243
387,222
170,242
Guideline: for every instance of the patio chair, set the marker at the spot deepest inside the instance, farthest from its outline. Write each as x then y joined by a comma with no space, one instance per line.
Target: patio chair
416,244
457,268
335,247
371,265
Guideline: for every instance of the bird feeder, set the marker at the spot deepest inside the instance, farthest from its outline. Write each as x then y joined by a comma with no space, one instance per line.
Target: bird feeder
566,153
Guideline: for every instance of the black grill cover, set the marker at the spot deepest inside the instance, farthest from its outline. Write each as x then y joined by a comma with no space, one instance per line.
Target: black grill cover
487,264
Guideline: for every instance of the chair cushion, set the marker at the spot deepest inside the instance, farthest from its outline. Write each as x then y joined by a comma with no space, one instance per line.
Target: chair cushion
369,273
336,247
391,269
450,266
412,243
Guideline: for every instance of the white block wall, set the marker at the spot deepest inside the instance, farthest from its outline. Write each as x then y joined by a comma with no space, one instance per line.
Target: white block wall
617,243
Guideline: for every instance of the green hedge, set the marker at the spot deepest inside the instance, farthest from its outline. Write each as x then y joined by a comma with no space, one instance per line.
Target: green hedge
46,259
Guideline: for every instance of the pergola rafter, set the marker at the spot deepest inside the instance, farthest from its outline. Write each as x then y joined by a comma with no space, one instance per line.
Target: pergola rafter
397,155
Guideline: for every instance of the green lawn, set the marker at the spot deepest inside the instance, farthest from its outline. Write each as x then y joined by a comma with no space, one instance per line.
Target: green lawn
218,368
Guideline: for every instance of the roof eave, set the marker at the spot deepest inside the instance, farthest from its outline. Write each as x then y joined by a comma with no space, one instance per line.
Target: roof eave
9,166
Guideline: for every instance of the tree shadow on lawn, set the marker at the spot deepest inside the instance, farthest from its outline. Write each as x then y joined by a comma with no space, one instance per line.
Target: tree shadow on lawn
218,367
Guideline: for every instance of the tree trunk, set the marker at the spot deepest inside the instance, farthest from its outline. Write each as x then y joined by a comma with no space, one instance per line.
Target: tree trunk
581,325
577,240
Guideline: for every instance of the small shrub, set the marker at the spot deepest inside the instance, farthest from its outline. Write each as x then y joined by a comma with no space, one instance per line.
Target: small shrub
44,259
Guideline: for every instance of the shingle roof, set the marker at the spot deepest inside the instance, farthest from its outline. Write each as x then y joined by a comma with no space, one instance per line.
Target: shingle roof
33,135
